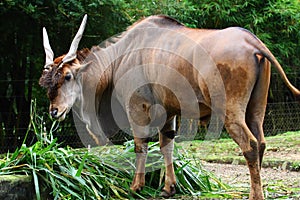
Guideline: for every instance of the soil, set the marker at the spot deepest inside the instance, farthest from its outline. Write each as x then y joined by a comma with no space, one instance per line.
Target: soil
238,175
281,183
281,158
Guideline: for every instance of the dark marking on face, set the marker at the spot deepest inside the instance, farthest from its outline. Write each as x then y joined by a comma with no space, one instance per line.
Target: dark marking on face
53,78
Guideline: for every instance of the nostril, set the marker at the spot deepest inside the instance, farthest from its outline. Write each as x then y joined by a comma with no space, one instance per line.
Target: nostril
54,112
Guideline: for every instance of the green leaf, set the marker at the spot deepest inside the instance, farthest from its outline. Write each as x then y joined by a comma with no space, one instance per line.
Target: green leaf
36,185
80,168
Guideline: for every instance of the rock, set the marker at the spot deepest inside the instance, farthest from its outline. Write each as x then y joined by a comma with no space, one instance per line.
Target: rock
16,187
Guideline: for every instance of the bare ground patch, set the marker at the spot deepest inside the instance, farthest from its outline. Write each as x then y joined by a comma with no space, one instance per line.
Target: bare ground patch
278,183
281,165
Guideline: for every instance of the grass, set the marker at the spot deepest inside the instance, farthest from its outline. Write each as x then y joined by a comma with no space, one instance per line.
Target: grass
102,173
227,151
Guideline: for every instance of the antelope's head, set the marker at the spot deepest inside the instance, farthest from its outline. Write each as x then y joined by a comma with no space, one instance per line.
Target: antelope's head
60,75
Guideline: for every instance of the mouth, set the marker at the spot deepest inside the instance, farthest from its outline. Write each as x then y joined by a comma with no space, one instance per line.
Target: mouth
62,115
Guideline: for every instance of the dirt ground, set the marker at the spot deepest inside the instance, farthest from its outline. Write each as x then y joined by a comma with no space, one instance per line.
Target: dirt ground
238,175
278,180
282,182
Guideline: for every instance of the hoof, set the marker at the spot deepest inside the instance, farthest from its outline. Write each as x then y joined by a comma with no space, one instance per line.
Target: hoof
135,192
166,194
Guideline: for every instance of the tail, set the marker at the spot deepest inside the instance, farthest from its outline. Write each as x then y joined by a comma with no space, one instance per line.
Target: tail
264,51
279,69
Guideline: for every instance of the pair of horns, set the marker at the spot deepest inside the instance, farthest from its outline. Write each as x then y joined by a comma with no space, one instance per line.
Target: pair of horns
71,55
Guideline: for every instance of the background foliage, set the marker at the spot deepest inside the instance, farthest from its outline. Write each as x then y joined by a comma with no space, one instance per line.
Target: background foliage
276,22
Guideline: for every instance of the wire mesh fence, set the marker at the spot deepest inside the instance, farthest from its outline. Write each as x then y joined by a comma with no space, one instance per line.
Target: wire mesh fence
279,118
282,117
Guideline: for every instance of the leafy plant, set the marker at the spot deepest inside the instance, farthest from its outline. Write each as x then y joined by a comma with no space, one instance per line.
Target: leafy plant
99,173
295,166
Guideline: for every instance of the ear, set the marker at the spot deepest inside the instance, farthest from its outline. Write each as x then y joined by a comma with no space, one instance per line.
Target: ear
83,60
84,67
81,68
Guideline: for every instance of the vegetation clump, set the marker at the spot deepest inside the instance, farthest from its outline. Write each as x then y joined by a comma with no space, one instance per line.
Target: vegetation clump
100,173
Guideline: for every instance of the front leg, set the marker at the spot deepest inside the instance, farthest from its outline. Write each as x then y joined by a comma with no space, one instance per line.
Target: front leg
141,150
166,142
167,148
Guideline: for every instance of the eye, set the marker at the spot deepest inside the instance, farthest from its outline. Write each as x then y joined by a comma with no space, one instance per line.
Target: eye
68,77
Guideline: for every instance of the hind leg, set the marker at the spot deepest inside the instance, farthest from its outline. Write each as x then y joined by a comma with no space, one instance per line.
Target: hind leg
257,106
240,133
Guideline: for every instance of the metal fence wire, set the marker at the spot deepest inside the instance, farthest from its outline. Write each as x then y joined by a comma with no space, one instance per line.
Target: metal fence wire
282,117
279,118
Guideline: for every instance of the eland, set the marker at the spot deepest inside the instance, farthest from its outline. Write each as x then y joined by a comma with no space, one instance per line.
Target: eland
158,69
